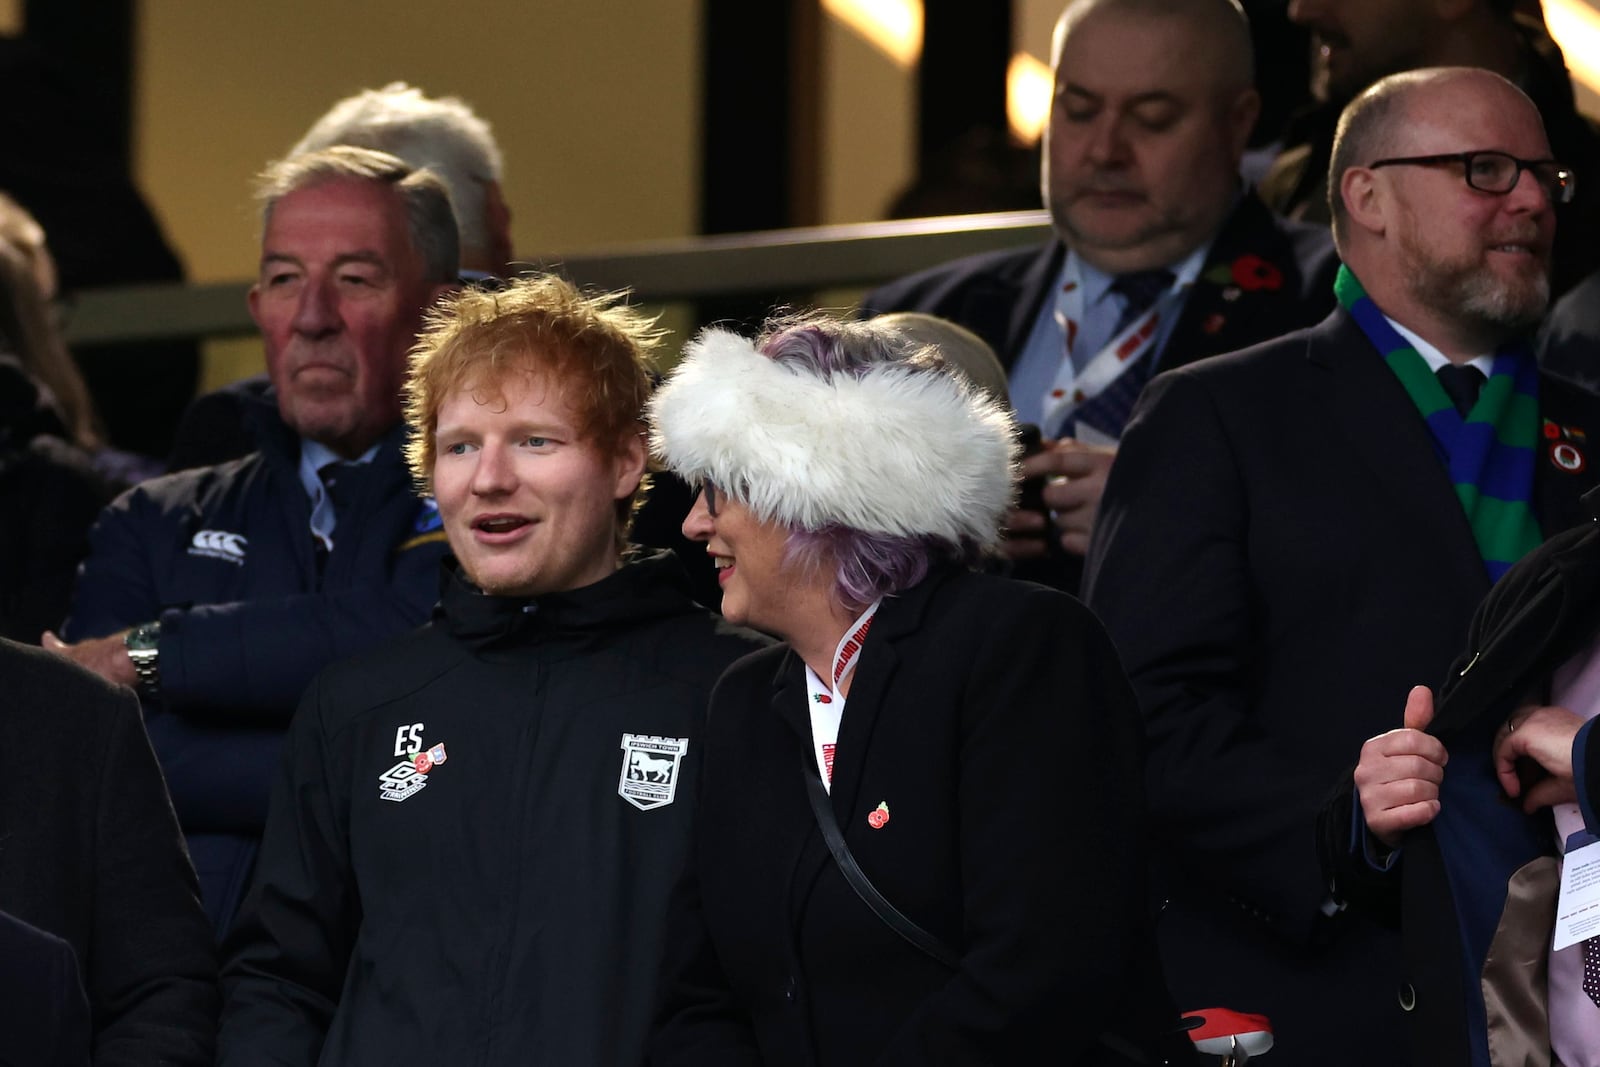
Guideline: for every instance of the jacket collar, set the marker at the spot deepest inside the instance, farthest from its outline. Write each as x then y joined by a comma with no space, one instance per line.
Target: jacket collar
1550,615
1379,427
279,445
899,617
647,587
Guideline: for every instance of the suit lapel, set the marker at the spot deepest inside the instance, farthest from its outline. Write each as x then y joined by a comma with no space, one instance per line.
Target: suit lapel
1382,430
876,673
789,698
1036,285
1223,312
1572,416
880,662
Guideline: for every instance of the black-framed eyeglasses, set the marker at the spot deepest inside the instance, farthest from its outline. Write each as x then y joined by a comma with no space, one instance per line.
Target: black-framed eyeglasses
1498,172
708,489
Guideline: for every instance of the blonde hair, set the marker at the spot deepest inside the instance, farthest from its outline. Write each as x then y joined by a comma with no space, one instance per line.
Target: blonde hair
26,325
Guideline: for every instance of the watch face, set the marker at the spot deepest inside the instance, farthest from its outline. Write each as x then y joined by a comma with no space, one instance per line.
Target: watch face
143,638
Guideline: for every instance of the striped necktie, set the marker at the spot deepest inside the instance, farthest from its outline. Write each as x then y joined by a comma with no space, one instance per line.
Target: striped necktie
1108,410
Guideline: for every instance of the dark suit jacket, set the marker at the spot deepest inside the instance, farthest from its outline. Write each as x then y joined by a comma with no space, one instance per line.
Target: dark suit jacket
220,425
90,852
1279,557
1540,614
1569,340
993,720
998,295
46,1013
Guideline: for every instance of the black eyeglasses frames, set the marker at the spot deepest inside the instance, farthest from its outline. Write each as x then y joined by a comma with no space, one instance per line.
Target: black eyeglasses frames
1497,173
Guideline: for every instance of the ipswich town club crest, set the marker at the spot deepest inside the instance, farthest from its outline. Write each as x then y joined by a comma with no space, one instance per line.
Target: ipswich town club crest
650,768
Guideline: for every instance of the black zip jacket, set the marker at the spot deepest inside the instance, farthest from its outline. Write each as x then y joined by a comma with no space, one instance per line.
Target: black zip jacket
475,832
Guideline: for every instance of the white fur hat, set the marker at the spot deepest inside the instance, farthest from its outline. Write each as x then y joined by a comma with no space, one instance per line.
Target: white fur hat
894,449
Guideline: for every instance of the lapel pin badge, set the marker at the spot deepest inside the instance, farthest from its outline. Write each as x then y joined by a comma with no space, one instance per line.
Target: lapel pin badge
1566,446
1568,457
427,761
878,816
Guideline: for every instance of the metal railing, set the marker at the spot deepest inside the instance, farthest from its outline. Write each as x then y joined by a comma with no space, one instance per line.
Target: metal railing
782,262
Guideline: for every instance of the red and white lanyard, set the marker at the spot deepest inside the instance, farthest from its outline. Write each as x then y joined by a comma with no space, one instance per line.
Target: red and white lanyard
1072,387
826,701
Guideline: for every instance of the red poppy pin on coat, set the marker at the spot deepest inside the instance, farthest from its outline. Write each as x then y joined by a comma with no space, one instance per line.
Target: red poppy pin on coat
878,816
1566,450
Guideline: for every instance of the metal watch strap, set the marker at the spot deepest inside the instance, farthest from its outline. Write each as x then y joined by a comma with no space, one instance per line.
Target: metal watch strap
145,654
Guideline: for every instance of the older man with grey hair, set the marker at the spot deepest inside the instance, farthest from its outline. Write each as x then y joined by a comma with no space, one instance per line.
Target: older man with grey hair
443,135
447,137
219,592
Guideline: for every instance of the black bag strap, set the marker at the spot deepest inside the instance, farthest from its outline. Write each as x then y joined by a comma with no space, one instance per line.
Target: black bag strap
893,918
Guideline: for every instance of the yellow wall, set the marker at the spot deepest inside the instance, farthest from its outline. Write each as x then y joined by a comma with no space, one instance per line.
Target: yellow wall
595,105
868,128
1031,24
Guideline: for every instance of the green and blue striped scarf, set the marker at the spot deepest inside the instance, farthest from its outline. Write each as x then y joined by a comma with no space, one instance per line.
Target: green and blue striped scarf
1490,453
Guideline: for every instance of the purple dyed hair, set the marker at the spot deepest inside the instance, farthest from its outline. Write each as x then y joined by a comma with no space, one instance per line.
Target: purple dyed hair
866,565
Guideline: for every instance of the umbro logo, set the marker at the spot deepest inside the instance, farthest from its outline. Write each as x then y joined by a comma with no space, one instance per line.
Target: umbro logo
219,544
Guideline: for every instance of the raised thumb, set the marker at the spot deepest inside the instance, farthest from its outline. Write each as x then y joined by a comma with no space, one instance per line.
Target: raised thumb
1419,708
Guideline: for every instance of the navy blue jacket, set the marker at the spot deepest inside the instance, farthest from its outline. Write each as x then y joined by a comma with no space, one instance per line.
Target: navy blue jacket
40,985
224,557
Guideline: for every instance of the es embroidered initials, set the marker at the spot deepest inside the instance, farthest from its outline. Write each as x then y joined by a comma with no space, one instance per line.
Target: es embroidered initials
408,740
410,775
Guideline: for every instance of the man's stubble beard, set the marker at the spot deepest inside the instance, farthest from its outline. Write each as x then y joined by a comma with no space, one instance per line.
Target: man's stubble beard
1474,294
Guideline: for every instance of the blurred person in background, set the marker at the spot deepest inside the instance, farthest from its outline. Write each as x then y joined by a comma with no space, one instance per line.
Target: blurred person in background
1357,42
68,163
50,489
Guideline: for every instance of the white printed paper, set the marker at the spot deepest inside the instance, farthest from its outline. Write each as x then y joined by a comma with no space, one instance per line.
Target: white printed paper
1578,909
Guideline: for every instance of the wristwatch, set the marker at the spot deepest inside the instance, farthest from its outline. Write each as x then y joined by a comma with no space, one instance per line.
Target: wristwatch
143,643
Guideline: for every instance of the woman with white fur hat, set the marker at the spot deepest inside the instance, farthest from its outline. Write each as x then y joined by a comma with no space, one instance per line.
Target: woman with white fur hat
919,825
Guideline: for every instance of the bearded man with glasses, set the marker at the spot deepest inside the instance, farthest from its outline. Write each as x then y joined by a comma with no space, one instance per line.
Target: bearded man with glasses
1295,535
